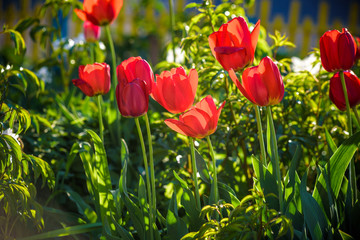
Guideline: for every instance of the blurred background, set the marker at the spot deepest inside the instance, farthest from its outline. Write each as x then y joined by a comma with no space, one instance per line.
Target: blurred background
302,21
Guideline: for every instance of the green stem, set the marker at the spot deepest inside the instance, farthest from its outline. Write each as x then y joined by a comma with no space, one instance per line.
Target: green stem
172,24
114,83
228,97
101,125
194,172
347,102
92,52
113,61
214,169
146,173
352,176
275,159
152,169
260,134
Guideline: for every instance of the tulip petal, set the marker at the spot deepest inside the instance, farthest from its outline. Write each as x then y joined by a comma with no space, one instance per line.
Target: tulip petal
254,86
255,35
179,127
81,14
84,87
346,50
239,86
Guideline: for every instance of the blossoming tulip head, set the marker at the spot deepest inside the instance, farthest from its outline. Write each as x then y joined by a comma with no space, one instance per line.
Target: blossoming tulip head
91,32
337,50
175,90
261,85
200,121
132,93
353,90
99,12
233,45
94,79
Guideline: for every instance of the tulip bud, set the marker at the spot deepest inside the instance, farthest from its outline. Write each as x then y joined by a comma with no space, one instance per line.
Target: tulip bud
337,50
336,92
94,79
91,32
233,45
175,90
261,85
200,121
135,77
99,12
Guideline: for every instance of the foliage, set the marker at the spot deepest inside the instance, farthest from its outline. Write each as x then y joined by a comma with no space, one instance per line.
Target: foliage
98,188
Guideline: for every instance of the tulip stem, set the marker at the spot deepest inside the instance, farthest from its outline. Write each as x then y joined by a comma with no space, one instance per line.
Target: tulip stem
352,176
194,172
275,157
172,24
260,135
147,175
216,194
228,97
101,125
114,81
152,169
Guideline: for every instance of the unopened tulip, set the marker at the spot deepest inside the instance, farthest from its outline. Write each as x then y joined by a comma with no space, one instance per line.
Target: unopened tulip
337,50
200,121
174,90
336,93
233,45
132,93
99,12
94,79
91,32
262,84
357,40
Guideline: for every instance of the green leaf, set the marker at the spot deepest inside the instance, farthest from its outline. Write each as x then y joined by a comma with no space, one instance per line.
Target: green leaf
330,141
13,145
345,236
338,165
202,167
67,231
313,215
45,170
18,41
176,227
103,176
134,211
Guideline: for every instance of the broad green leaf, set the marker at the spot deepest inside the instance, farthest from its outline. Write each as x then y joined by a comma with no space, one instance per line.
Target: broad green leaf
67,231
202,167
45,170
176,227
330,141
18,41
134,211
313,215
338,165
13,145
103,176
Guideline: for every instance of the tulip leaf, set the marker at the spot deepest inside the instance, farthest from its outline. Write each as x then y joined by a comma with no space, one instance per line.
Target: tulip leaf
176,227
202,167
313,214
336,167
330,141
136,214
189,203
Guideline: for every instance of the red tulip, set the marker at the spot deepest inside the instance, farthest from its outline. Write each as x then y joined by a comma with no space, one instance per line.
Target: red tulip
233,45
261,85
336,93
94,79
175,90
132,93
91,32
200,121
100,12
337,50
357,57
